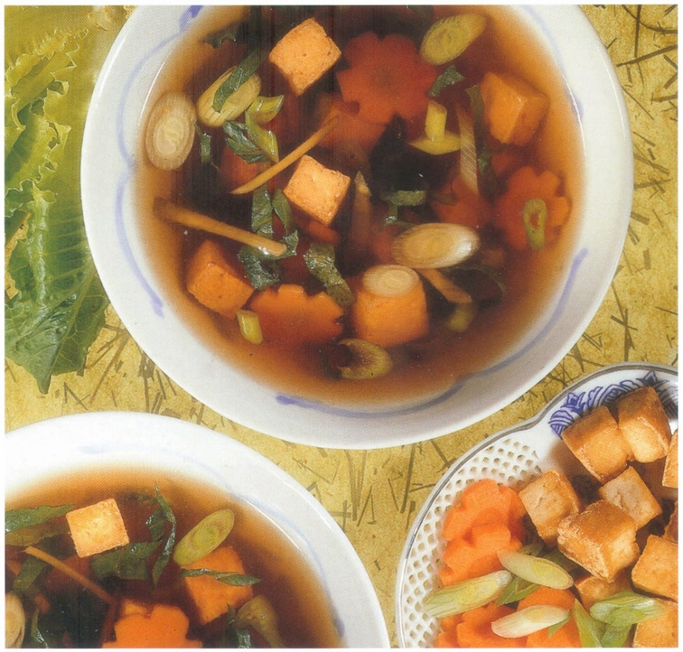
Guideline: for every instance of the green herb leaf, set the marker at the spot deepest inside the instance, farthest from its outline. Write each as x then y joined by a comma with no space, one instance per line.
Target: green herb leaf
262,269
232,635
262,212
447,78
216,39
29,536
233,579
284,211
31,570
243,71
238,140
127,563
157,526
490,184
16,519
320,260
204,144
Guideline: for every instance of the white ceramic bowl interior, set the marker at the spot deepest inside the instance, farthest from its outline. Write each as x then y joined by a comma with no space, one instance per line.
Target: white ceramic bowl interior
117,241
513,457
174,448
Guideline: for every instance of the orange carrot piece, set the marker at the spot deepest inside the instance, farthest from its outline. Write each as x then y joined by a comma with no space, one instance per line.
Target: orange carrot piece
381,240
469,209
389,321
211,597
377,77
479,556
165,626
290,315
475,628
235,171
216,279
448,636
568,634
513,109
525,184
351,127
317,230
484,502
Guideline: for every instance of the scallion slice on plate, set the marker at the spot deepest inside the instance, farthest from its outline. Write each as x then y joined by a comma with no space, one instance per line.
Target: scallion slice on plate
470,594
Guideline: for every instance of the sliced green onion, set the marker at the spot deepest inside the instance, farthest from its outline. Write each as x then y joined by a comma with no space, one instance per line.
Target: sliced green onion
264,109
470,594
462,316
265,139
435,122
250,326
449,37
536,569
529,620
535,217
626,608
615,636
204,537
259,614
368,360
590,630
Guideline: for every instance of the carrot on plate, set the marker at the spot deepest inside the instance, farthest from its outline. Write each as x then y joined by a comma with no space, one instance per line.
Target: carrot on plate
377,75
165,626
565,636
478,555
211,597
390,306
475,628
217,280
484,501
513,109
288,314
524,185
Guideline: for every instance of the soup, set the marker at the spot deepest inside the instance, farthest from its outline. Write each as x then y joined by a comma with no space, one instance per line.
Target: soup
139,580
422,211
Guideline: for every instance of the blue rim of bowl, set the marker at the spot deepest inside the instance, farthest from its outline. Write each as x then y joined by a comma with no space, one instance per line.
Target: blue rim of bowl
564,408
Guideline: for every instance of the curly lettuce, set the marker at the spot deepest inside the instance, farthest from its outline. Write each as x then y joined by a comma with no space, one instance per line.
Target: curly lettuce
55,304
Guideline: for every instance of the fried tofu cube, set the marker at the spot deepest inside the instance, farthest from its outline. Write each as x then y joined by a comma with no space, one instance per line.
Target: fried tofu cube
629,491
513,110
656,570
548,500
217,280
211,597
317,190
661,631
97,528
304,55
602,539
598,444
670,477
671,529
592,589
644,424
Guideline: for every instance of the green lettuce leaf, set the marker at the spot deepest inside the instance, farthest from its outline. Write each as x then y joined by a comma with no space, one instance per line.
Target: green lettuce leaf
56,305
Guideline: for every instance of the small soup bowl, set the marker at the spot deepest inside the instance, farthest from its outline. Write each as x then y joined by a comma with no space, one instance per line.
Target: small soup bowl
131,450
153,309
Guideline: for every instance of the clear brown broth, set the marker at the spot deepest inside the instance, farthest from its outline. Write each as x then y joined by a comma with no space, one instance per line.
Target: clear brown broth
286,579
429,367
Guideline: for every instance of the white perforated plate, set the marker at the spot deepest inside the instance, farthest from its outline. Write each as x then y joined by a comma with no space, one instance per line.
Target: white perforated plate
512,457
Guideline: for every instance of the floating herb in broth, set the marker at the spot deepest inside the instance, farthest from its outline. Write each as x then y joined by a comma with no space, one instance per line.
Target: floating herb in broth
384,161
140,587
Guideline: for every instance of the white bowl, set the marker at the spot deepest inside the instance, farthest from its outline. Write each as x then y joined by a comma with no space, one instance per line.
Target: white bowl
513,457
118,245
172,448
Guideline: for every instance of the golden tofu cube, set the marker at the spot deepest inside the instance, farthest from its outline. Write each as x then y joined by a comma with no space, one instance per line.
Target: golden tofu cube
661,631
548,500
644,424
592,589
670,477
304,55
97,528
317,190
656,570
629,491
602,539
671,529
598,444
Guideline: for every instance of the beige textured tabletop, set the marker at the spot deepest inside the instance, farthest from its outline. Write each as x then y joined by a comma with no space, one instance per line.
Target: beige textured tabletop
374,495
